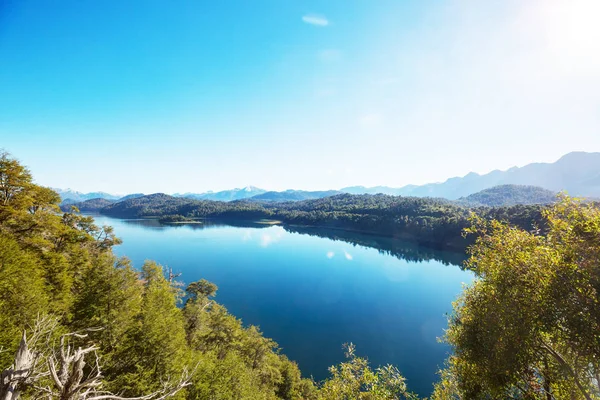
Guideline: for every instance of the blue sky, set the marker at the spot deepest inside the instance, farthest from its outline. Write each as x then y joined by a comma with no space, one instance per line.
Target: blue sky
149,96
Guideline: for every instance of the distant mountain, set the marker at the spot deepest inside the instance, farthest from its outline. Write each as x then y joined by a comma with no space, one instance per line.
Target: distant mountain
578,173
225,195
373,190
66,202
131,196
91,205
75,196
509,195
294,195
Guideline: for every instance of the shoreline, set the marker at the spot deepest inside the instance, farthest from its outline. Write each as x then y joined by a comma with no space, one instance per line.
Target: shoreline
274,222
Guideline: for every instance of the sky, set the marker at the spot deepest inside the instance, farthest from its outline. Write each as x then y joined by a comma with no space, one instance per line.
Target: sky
189,96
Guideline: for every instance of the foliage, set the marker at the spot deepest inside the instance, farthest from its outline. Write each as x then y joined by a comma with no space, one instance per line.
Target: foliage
354,379
509,195
90,205
528,327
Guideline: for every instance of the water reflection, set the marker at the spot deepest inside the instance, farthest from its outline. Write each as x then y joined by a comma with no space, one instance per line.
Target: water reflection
154,223
400,249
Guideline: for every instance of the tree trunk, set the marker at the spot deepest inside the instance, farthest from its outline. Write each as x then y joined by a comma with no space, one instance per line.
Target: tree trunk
13,379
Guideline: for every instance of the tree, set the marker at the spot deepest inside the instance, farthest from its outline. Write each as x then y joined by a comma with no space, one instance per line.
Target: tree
156,346
201,288
355,380
22,294
528,327
14,179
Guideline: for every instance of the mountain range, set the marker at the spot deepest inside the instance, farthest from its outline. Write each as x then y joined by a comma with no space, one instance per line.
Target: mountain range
76,197
294,195
225,195
578,173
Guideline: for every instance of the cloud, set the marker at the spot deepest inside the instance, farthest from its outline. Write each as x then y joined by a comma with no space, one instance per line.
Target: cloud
267,239
317,20
247,236
330,254
347,255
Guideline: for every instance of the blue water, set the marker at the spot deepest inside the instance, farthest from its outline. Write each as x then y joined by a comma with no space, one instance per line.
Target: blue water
313,292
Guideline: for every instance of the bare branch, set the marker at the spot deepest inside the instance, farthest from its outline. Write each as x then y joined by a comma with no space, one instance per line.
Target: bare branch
66,365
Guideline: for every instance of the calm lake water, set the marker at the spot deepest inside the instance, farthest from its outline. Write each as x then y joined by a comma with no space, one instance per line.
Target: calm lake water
312,290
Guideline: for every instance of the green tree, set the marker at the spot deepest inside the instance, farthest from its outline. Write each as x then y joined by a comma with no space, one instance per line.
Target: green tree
14,180
528,327
292,386
155,348
355,380
109,296
22,295
226,378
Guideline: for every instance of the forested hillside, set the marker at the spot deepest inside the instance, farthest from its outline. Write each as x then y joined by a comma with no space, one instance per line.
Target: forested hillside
509,195
434,222
91,205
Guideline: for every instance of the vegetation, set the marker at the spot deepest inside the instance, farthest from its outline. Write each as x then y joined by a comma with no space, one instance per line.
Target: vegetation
171,219
528,327
90,205
509,195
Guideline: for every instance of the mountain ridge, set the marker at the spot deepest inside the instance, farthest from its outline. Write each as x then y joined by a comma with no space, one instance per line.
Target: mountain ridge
577,173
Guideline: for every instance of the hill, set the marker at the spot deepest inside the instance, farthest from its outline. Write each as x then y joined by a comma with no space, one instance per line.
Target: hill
156,204
131,196
509,195
91,205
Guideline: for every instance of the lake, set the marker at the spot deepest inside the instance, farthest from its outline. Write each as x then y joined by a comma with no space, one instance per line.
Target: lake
313,290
